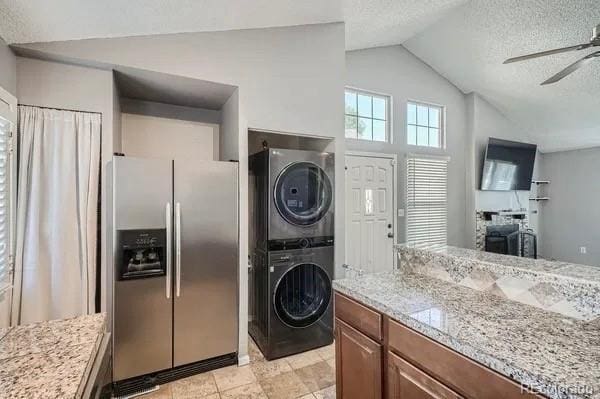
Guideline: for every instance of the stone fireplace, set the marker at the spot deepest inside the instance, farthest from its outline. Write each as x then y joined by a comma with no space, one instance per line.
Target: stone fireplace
493,218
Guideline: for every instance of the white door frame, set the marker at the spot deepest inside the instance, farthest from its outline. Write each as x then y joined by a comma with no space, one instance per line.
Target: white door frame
394,159
8,111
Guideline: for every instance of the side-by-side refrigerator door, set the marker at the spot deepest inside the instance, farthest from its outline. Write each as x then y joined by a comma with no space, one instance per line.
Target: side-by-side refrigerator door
142,297
206,261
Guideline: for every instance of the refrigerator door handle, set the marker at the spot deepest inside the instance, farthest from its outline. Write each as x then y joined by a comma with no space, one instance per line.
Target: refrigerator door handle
169,241
177,249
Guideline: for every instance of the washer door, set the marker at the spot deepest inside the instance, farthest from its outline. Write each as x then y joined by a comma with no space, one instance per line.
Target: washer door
302,295
303,193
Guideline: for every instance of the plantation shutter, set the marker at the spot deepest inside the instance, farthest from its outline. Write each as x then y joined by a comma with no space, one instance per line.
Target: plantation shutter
4,205
427,200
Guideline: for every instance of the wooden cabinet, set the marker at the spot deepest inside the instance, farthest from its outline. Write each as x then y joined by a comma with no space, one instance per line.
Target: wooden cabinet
451,368
408,382
358,364
376,355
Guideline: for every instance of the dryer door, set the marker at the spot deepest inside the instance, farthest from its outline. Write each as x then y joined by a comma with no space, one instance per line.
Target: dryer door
303,193
302,295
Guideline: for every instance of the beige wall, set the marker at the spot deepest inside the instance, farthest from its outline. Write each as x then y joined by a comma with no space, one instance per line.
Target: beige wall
153,137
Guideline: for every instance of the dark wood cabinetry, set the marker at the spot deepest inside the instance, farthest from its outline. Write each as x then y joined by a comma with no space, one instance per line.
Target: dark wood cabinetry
377,357
408,382
358,364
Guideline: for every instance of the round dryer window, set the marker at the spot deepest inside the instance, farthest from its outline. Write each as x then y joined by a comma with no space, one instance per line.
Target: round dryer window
303,193
302,295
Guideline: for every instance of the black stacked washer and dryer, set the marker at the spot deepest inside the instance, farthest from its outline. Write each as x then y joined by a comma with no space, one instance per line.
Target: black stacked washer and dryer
292,250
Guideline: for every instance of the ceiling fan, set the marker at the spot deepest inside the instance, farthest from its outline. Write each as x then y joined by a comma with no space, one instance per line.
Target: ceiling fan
594,42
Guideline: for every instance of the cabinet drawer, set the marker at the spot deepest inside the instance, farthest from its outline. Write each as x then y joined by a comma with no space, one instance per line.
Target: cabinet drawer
358,316
461,374
405,381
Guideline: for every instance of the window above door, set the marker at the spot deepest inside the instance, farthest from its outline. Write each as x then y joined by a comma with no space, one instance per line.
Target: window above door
367,115
425,125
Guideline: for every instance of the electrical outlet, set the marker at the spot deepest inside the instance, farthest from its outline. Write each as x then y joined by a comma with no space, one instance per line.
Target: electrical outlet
401,212
582,250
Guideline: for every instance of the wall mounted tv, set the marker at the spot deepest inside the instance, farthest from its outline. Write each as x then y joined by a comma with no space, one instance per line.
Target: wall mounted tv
508,165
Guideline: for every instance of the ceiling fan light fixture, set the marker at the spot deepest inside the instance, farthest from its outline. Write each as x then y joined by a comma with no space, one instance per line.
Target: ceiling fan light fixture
594,42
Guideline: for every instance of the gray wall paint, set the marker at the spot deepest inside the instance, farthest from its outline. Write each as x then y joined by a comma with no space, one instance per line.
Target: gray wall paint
116,125
571,218
8,69
395,71
290,79
170,111
487,121
54,85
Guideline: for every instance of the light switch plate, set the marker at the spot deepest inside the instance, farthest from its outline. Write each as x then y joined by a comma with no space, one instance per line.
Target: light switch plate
401,212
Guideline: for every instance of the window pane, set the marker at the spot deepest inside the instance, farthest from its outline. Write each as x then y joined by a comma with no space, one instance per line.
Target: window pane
422,136
379,108
351,122
412,135
365,129
378,130
422,117
368,202
434,117
434,137
350,103
411,116
364,106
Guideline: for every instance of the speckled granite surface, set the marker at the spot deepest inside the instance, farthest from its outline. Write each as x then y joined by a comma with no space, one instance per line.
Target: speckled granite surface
49,359
569,289
557,355
539,267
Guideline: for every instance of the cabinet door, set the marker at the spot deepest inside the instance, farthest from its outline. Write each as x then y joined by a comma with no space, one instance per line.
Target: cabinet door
407,382
358,364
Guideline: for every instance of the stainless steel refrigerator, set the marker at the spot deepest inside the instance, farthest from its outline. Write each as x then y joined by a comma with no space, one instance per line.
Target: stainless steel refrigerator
174,277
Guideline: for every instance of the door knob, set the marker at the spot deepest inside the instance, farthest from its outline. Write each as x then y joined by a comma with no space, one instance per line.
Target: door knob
390,235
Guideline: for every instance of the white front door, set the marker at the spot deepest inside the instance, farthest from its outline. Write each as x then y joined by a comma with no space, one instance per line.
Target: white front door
369,213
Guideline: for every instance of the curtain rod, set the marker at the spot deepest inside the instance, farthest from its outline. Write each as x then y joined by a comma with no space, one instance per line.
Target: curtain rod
60,109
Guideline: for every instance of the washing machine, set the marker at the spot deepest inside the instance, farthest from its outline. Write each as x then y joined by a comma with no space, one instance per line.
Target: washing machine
291,308
293,196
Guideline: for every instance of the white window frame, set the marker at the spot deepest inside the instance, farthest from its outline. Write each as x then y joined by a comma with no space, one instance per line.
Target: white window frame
442,127
389,107
8,111
409,208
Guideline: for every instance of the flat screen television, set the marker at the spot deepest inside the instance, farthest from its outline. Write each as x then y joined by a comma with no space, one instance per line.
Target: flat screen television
508,165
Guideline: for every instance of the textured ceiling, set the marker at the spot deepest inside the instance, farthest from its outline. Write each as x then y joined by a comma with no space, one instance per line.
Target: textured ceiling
369,23
25,21
466,41
470,43
373,23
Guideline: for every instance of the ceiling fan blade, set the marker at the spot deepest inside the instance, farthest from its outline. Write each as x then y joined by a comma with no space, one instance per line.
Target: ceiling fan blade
548,52
572,68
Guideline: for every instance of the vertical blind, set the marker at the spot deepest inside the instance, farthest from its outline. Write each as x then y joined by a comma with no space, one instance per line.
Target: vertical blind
4,204
427,201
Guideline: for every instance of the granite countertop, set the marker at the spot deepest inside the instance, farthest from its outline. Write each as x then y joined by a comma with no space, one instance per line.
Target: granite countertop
555,354
50,359
565,270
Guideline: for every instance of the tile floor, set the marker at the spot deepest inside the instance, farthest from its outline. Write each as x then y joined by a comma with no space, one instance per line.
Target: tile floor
309,375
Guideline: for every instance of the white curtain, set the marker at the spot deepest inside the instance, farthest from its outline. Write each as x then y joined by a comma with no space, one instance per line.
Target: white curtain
59,160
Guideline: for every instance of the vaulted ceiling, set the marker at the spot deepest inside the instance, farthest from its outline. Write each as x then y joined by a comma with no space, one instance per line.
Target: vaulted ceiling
369,22
468,47
465,41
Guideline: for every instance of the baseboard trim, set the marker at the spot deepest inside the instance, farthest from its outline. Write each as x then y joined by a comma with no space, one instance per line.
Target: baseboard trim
243,360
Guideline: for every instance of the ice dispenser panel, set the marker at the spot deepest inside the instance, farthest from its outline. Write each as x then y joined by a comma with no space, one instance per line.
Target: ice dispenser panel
141,253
